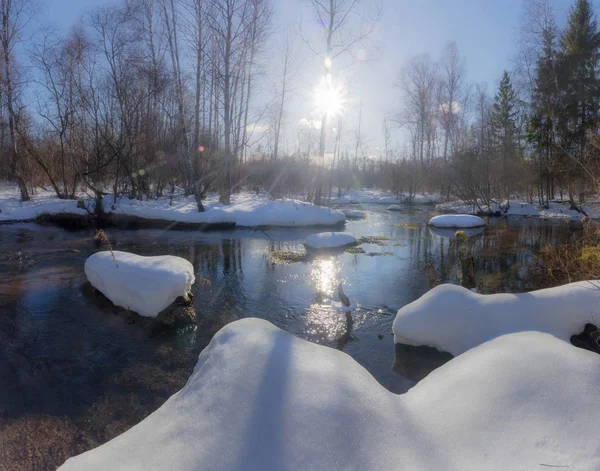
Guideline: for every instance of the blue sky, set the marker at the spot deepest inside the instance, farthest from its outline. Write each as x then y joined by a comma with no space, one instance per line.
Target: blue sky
486,32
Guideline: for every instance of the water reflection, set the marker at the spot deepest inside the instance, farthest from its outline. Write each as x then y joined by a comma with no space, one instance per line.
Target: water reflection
62,355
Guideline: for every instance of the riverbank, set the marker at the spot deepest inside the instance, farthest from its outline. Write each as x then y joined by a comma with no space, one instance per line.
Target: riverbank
520,208
246,210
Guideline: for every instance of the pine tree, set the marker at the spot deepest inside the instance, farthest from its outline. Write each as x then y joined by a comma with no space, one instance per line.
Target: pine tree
504,130
542,123
578,81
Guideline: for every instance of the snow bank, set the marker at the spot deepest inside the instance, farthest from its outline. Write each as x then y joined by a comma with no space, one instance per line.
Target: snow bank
12,209
395,207
456,220
247,210
263,399
329,240
252,212
517,208
453,319
381,197
146,285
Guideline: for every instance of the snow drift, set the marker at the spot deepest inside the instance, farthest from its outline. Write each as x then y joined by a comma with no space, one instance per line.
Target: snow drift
146,285
329,240
454,319
263,399
456,220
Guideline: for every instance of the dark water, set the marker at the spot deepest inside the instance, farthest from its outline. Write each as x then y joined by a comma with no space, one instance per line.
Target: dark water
74,372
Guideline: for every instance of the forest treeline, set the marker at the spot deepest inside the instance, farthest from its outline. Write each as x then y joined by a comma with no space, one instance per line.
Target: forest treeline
145,95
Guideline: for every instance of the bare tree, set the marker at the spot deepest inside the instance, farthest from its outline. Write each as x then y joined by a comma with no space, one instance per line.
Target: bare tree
14,15
452,94
286,72
418,81
170,18
339,19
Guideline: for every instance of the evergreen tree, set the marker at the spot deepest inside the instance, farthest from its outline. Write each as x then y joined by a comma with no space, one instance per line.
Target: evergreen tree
541,129
504,130
578,81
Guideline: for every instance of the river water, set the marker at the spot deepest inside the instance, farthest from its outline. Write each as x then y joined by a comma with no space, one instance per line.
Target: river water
75,371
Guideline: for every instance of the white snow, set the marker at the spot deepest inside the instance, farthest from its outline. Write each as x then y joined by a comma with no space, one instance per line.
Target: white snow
365,196
520,208
453,319
394,207
44,202
456,220
247,210
354,214
263,399
329,240
146,285
252,211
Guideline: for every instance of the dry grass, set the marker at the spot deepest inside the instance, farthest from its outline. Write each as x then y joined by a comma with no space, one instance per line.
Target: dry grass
376,240
101,237
577,260
287,257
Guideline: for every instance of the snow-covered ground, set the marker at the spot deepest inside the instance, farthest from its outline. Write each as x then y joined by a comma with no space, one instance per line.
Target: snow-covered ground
329,240
263,399
556,210
11,208
453,319
456,221
381,197
146,285
246,210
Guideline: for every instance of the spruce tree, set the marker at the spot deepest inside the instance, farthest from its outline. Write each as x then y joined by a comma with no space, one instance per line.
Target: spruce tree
578,76
542,123
504,130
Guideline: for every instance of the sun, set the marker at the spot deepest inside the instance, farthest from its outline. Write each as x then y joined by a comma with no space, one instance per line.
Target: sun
329,98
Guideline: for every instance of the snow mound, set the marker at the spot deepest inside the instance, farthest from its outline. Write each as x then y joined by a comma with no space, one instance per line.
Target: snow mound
146,285
329,240
353,214
454,319
456,220
395,207
263,399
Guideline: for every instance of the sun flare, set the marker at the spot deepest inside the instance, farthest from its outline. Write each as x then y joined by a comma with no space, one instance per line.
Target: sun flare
329,98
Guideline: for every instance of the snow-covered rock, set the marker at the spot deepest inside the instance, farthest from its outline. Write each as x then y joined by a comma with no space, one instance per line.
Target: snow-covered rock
263,399
456,220
395,207
354,214
146,285
454,319
329,240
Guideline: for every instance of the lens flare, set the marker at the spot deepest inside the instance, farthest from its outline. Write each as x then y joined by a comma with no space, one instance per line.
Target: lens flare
329,97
